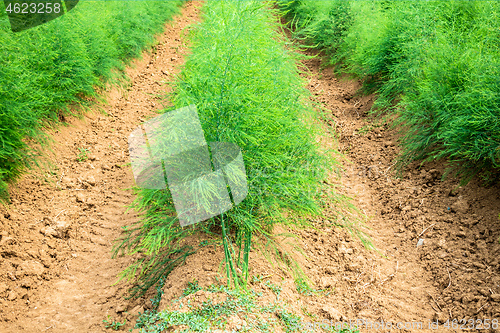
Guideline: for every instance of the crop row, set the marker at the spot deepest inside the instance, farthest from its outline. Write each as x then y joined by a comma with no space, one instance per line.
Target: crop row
48,68
434,64
243,77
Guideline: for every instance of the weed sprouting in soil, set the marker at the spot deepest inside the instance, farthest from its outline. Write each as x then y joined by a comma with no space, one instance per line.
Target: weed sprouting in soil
114,325
304,288
82,155
191,288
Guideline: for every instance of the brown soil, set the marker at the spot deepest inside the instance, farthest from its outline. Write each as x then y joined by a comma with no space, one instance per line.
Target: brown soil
56,271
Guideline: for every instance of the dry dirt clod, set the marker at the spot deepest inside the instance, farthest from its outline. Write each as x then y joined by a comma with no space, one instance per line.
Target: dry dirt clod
68,181
6,240
23,293
135,311
80,197
90,180
122,307
48,231
3,288
332,313
12,295
327,282
441,317
62,227
30,268
460,206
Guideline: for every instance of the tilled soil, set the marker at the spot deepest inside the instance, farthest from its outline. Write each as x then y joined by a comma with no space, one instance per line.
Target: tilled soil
438,243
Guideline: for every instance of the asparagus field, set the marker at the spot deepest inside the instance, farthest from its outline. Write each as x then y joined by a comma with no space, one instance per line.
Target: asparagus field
250,166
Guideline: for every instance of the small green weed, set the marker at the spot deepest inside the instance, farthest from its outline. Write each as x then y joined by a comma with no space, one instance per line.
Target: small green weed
304,288
83,154
258,278
365,129
114,325
307,313
291,321
275,288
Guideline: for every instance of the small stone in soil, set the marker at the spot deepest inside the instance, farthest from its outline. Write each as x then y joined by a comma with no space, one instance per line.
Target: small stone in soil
90,180
3,287
67,180
121,308
332,313
441,317
62,228
80,197
135,311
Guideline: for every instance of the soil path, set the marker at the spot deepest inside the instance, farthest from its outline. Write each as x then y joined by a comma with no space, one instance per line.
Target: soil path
56,271
440,240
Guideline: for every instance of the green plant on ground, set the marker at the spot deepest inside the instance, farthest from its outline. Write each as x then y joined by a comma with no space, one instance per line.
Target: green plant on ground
258,278
304,288
213,315
209,315
83,154
319,24
114,325
191,288
433,64
275,288
365,129
290,321
307,313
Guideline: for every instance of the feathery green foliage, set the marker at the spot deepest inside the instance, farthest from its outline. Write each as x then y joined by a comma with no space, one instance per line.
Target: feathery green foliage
48,67
433,63
244,80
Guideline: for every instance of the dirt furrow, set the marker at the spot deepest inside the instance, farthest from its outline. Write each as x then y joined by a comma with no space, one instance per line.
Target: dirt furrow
56,271
440,240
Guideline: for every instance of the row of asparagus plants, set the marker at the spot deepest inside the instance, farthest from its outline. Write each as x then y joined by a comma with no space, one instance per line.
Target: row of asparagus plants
48,68
434,64
243,77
